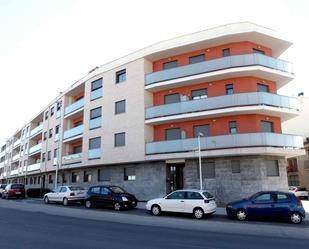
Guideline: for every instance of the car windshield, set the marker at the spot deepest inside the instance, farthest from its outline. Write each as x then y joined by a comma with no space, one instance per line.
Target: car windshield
76,188
117,190
17,186
207,195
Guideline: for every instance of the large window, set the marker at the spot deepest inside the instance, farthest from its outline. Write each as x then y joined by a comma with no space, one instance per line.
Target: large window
267,126
173,134
120,139
272,167
77,149
129,174
87,176
172,98
199,94
95,143
196,58
203,130
262,88
229,89
226,52
49,155
120,106
104,174
120,76
233,127
74,177
95,113
97,84
169,65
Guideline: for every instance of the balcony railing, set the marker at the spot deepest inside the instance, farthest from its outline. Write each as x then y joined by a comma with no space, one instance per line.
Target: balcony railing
35,148
95,123
16,143
78,130
226,142
212,103
36,130
253,59
16,157
75,106
94,154
14,172
33,167
71,159
96,94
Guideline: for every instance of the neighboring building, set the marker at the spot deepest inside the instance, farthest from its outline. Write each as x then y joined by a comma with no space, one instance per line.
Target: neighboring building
134,122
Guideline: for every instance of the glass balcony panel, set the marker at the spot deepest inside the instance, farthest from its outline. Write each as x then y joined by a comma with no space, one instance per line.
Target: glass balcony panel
95,123
17,142
16,157
94,154
73,132
96,94
36,130
35,148
73,158
75,106
33,167
14,172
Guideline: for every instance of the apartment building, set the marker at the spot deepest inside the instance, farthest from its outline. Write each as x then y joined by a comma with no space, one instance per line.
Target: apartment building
135,121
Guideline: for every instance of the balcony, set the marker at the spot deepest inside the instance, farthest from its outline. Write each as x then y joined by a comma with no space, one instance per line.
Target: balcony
17,143
95,123
214,68
16,157
76,131
35,149
33,167
36,130
94,154
74,107
244,140
72,159
14,172
96,94
214,105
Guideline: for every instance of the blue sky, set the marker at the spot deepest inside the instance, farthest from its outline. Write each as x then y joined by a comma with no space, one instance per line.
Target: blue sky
46,45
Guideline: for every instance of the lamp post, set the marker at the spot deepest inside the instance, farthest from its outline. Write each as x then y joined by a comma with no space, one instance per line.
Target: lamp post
200,158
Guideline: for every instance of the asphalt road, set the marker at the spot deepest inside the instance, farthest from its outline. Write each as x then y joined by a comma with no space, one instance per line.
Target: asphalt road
24,224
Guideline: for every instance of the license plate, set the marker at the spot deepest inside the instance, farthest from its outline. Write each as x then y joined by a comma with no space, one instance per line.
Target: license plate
18,193
80,193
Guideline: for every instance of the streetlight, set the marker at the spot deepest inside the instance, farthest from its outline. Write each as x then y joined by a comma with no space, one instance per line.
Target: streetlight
200,134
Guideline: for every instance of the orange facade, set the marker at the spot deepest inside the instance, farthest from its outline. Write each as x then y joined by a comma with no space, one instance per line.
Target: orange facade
220,126
236,48
217,88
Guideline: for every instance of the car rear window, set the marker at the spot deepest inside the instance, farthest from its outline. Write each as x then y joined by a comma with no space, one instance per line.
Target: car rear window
208,195
17,186
76,188
301,189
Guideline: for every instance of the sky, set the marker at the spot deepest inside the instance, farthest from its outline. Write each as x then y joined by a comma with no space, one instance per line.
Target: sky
47,45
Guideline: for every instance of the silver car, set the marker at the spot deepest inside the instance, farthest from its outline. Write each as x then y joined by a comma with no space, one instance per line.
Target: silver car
66,195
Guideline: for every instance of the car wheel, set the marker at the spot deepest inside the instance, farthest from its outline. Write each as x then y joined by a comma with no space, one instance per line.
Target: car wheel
155,210
198,213
117,206
46,200
65,202
241,215
88,204
296,218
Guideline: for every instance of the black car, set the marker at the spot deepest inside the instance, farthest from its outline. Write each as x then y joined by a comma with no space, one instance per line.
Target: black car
110,196
14,190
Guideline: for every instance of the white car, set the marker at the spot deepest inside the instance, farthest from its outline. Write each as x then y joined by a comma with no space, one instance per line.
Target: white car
299,192
196,202
66,195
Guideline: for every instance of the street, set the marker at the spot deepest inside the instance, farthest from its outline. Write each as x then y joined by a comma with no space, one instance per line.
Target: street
31,224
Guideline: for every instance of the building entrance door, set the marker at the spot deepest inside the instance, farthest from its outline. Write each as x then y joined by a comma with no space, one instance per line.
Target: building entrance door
174,177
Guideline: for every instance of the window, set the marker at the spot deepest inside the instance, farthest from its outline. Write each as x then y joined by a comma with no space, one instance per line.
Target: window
95,143
226,52
59,104
120,76
169,65
196,58
272,168
48,155
176,195
46,115
95,190
173,134
120,139
55,153
31,180
293,180
203,130
199,94
193,196
87,176
264,198
233,127
75,177
229,89
105,191
282,198
172,98
104,175
64,180
57,129
95,113
43,157
50,179
52,111
209,170
63,190
78,123
45,135
262,88
97,84
129,174
257,51
267,126
25,163
39,179
120,106
235,164
77,149
51,133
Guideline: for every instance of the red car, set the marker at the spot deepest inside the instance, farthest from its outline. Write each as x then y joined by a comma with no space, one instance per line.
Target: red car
14,190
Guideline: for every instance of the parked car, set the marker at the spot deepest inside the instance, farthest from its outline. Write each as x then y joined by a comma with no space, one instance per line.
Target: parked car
14,190
268,204
196,202
299,192
2,187
66,195
110,196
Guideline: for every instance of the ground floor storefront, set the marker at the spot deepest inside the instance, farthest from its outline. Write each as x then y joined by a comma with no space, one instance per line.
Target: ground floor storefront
227,178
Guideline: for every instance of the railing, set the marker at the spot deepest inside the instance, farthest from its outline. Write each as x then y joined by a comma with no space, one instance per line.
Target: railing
94,154
219,64
96,94
219,102
78,130
14,172
16,157
35,148
33,167
17,142
73,158
225,142
75,106
36,130
95,123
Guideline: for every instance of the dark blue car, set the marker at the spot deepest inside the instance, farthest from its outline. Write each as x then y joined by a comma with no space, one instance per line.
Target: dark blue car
268,204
